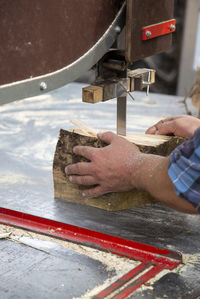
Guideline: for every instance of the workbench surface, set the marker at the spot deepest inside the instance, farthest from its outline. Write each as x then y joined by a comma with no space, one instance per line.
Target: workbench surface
29,131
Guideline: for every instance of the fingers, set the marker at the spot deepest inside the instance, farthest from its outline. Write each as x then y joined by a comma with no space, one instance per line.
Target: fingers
93,192
166,128
86,180
84,151
107,137
81,168
163,127
152,130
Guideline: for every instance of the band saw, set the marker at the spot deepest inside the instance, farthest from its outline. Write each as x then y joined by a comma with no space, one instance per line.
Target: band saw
45,45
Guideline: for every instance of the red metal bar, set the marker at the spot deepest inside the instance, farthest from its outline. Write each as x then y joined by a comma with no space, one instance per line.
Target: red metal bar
158,29
122,280
116,245
140,281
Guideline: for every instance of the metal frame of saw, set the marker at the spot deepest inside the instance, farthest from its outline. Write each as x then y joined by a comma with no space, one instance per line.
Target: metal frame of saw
148,28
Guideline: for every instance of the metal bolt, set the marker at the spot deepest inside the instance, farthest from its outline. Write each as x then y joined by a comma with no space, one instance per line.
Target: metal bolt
117,29
172,27
43,86
148,33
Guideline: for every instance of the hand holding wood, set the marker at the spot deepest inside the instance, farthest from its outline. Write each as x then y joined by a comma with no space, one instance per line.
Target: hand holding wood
111,168
181,125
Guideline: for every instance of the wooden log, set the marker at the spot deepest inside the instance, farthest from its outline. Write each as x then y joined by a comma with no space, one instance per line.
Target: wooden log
92,94
64,189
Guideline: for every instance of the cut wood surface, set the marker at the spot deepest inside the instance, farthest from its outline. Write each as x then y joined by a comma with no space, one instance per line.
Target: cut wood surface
63,189
85,129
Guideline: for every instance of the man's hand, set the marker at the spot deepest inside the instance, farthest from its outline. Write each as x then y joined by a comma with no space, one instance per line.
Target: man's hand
111,168
120,166
182,126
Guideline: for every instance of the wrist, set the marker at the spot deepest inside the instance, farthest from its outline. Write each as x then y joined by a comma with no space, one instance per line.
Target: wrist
148,172
151,175
140,166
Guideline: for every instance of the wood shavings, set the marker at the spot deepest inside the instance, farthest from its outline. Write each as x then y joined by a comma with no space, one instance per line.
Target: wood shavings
85,128
4,235
191,259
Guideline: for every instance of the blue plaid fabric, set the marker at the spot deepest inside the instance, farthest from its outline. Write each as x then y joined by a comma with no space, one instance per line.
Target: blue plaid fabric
184,170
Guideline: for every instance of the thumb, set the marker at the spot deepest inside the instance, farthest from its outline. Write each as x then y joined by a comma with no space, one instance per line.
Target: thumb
107,137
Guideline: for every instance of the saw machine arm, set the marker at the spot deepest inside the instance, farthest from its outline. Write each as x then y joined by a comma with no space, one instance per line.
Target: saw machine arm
47,44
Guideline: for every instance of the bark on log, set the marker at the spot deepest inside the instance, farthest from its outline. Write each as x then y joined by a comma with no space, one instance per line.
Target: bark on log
64,156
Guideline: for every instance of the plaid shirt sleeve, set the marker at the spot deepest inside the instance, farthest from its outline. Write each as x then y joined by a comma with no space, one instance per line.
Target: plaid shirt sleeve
184,170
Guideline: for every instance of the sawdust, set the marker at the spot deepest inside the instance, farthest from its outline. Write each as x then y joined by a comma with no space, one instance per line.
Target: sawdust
111,262
4,235
190,260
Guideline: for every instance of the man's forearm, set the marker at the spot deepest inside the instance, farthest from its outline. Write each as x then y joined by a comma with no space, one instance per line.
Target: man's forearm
152,176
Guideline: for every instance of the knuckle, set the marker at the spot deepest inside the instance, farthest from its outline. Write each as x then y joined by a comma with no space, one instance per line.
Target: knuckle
97,192
108,134
80,180
94,192
71,178
94,155
87,193
78,167
176,121
95,172
76,179
91,193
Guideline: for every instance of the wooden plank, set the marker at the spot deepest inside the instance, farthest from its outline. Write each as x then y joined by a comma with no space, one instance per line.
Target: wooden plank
85,128
92,94
99,92
64,156
139,139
